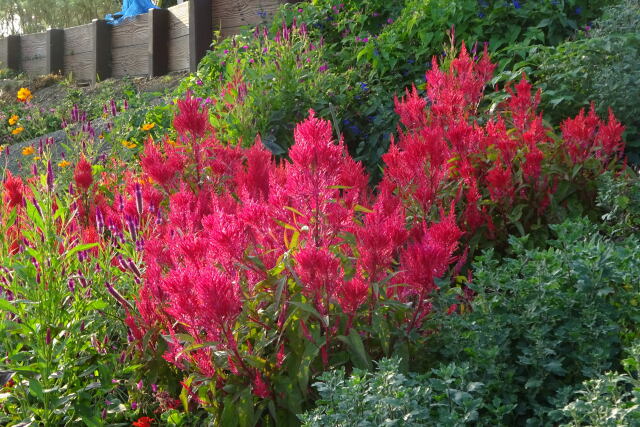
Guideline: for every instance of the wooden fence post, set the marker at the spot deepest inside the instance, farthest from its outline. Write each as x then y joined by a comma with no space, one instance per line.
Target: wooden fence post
200,31
101,49
158,42
55,51
14,52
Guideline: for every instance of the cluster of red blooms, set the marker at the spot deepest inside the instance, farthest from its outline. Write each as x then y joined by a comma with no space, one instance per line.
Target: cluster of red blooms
230,224
445,155
234,213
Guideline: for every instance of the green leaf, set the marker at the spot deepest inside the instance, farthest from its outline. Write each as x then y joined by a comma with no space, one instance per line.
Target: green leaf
78,248
6,305
310,310
35,388
359,355
34,215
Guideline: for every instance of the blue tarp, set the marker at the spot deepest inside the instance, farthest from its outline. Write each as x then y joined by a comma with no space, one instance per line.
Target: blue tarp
130,8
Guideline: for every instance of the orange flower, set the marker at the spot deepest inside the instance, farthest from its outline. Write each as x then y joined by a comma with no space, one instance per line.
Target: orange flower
64,164
27,151
148,126
13,120
24,95
17,130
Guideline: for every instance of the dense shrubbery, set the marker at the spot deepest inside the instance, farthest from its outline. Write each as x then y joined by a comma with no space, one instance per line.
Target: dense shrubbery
389,397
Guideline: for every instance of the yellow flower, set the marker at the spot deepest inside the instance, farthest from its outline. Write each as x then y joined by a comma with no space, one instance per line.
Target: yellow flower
17,130
24,95
148,126
171,142
37,158
13,120
128,144
64,164
27,151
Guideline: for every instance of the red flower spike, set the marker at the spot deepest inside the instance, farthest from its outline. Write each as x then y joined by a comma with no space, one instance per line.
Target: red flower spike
83,174
192,119
13,190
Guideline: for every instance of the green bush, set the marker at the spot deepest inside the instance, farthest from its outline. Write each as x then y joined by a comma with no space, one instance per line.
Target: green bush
544,319
619,197
388,397
612,399
539,324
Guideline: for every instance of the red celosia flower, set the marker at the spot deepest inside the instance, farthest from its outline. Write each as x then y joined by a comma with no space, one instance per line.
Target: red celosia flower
522,105
587,135
83,174
143,422
260,388
532,165
411,109
499,182
255,178
352,294
191,118
430,256
162,169
320,273
13,190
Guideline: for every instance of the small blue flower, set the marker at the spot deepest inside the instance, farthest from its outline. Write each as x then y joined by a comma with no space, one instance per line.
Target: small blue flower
376,52
346,122
364,86
262,14
355,130
578,10
411,61
516,4
480,15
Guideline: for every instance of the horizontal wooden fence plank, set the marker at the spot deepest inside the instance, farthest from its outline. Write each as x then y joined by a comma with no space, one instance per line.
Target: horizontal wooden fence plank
132,31
129,45
179,21
77,40
230,15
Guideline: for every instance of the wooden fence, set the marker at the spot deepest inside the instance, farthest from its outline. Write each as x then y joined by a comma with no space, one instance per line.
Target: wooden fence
155,43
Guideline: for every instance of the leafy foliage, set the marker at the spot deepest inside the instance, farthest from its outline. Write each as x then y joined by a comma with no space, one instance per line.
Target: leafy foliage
389,397
612,399
544,319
